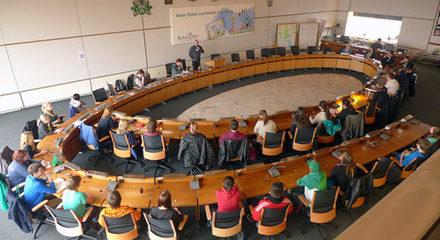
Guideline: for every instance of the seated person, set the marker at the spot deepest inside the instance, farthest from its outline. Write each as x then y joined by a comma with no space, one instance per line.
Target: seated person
76,105
132,140
264,125
194,149
323,115
234,134
116,210
300,120
139,79
408,155
152,128
316,180
346,49
45,128
433,135
72,199
106,124
47,108
275,200
347,109
388,59
164,210
35,188
18,169
346,170
392,85
27,143
177,68
228,197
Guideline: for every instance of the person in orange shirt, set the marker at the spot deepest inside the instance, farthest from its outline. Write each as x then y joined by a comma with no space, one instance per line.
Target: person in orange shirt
116,210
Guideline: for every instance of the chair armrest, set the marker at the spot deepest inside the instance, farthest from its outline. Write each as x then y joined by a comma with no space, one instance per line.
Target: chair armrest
251,208
38,206
87,214
20,185
103,139
362,167
375,166
396,161
167,142
208,213
303,200
290,134
260,139
183,222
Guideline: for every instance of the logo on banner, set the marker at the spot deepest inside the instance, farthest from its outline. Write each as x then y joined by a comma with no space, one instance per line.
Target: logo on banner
188,37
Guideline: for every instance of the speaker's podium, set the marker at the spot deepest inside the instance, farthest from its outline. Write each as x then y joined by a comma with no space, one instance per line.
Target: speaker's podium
216,63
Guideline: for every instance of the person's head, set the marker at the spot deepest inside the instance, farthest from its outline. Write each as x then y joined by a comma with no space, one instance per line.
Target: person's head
314,166
193,127
347,160
348,47
73,182
107,113
423,145
47,107
27,138
276,190
264,116
114,199
45,118
36,170
140,72
20,156
164,199
196,42
390,76
301,118
228,183
76,97
179,61
405,59
379,40
123,126
233,125
152,126
434,132
324,108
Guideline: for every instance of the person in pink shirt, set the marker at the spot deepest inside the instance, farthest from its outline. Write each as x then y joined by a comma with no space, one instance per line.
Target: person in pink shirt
233,134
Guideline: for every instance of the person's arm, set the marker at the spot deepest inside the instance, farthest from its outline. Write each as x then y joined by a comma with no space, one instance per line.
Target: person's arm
88,198
257,127
182,148
177,216
41,152
191,53
201,49
257,210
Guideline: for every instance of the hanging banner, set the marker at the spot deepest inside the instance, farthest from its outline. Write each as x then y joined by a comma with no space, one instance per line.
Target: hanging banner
211,22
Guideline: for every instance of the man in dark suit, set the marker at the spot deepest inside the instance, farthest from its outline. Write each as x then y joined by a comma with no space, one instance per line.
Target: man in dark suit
194,53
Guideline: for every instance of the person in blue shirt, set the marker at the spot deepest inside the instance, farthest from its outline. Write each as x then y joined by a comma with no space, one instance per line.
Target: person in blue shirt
105,124
347,49
35,188
408,155
18,169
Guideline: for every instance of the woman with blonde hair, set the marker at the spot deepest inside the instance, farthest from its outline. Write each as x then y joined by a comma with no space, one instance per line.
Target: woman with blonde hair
106,124
47,108
264,125
132,140
27,143
346,170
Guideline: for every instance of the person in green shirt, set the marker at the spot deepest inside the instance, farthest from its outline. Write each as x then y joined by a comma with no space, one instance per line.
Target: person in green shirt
177,68
316,180
72,199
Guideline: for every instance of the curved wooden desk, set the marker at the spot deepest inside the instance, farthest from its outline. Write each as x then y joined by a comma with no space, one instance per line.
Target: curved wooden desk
254,180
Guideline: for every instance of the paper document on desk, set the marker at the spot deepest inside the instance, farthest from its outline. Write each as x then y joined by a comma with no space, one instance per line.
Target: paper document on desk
60,184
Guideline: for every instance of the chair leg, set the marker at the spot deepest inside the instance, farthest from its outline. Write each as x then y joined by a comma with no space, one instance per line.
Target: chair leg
319,230
42,221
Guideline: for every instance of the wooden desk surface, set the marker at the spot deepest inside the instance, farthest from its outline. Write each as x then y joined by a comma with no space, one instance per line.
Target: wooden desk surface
181,195
136,193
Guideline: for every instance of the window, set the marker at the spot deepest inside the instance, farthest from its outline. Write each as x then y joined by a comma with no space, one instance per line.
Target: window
372,27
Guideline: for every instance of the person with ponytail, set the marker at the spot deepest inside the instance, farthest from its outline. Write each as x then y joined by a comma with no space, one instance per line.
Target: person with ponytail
323,115
264,125
346,170
300,120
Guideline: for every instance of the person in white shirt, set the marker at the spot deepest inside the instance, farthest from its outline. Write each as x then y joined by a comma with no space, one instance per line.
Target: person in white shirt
139,79
264,125
392,85
323,115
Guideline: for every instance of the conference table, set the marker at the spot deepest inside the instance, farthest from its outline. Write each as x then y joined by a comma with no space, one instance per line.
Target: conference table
254,180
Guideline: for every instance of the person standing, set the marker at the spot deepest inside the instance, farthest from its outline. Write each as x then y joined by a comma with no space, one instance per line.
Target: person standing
194,53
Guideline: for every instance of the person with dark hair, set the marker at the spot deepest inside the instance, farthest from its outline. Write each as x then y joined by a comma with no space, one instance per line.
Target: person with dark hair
35,188
228,197
152,128
106,124
164,210
264,124
300,120
388,59
18,169
347,109
177,67
116,210
382,100
406,157
346,170
139,79
323,115
275,200
74,200
377,44
234,134
408,67
194,53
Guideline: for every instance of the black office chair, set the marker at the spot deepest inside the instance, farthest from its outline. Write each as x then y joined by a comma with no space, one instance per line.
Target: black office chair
184,65
99,95
311,49
163,229
103,152
273,51
272,221
130,82
122,149
233,151
273,143
294,50
155,150
303,139
225,224
281,51
31,126
111,89
124,227
235,57
214,56
250,54
265,52
6,159
168,68
327,50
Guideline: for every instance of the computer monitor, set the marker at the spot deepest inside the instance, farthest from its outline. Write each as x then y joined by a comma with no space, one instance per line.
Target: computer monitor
250,54
273,51
294,50
265,52
281,51
311,49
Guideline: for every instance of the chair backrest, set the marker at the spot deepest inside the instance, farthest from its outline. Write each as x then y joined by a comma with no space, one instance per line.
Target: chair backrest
294,50
281,51
311,49
323,206
371,108
250,54
327,49
154,147
273,221
119,85
357,188
130,83
168,68
273,140
402,51
231,150
388,47
412,165
160,229
66,222
227,224
381,168
304,135
32,127
214,56
124,227
265,52
6,159
183,64
235,57
99,95
111,89
121,146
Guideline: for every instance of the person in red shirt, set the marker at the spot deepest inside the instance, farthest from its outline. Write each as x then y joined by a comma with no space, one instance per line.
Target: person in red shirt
228,197
274,200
